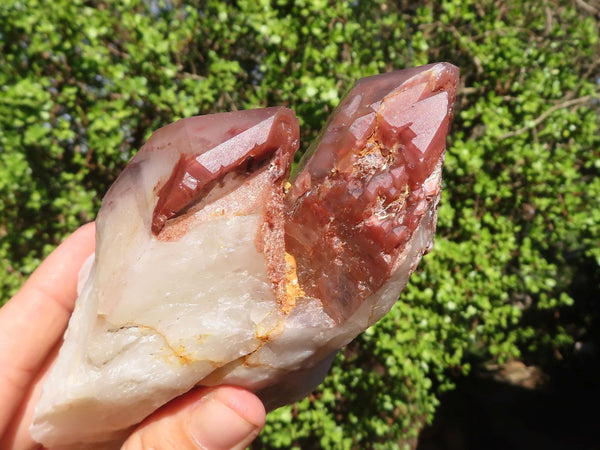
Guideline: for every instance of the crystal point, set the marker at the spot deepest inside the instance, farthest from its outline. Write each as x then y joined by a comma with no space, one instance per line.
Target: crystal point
251,141
368,176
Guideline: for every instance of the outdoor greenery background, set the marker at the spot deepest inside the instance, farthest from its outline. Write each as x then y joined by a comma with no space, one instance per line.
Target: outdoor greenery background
515,269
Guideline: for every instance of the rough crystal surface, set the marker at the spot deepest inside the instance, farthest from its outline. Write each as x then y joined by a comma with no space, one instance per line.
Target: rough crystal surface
207,272
362,194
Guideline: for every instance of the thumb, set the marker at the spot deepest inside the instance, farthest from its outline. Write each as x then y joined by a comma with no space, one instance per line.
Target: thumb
224,417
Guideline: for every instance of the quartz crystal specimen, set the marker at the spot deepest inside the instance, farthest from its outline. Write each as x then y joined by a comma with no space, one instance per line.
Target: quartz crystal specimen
211,268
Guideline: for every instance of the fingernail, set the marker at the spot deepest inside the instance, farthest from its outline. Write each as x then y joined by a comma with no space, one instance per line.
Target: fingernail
218,422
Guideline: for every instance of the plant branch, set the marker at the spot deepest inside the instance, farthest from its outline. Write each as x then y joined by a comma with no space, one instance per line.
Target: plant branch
546,114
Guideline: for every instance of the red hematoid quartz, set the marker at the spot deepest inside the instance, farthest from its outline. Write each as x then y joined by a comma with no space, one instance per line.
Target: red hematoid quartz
254,138
360,195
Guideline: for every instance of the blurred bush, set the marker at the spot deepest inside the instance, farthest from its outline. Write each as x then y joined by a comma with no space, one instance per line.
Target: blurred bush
515,270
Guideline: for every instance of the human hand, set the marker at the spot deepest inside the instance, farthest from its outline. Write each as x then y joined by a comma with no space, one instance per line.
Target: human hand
31,327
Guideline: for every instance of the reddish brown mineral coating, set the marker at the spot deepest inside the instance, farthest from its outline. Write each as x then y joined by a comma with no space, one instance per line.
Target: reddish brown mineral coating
239,149
361,194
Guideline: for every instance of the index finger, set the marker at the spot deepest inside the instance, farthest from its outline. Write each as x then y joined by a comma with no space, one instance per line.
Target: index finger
36,317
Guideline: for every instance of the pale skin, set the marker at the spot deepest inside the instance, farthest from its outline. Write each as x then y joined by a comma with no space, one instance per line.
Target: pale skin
31,327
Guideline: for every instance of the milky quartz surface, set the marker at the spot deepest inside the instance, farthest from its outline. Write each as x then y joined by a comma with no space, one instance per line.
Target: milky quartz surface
209,269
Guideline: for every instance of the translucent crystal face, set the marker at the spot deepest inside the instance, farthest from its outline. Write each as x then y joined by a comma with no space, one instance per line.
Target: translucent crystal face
359,198
248,142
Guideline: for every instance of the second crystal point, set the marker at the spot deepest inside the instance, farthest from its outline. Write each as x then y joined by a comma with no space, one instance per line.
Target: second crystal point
368,183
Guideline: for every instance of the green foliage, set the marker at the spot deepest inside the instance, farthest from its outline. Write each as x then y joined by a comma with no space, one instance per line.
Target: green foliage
515,269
